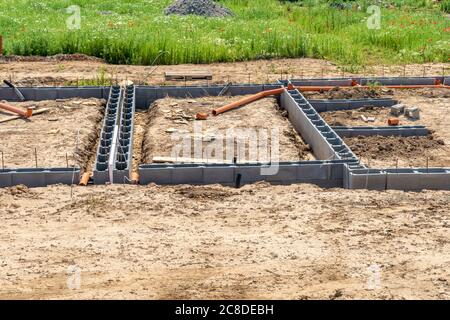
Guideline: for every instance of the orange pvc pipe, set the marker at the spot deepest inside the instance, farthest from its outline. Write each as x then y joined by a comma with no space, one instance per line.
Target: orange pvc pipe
18,111
328,88
247,100
135,178
85,179
272,92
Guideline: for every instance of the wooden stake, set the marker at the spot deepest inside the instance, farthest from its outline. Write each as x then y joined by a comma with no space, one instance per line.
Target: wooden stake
35,156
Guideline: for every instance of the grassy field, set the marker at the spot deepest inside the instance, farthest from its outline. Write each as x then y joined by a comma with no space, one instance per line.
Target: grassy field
137,31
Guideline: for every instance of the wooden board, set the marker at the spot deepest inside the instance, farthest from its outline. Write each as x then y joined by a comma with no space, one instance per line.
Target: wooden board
188,75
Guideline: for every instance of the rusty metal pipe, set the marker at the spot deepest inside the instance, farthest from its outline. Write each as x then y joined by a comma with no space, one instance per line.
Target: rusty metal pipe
247,100
15,110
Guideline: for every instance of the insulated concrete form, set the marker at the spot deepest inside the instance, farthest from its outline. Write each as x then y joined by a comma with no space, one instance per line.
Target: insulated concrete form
348,81
397,179
38,177
110,123
323,173
124,155
349,104
324,142
54,93
402,131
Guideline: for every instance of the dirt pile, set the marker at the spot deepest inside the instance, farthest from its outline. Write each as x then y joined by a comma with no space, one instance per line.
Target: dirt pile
350,93
205,8
378,147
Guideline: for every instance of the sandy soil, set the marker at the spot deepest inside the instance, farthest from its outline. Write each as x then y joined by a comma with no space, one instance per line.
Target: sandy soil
53,134
185,242
169,117
59,71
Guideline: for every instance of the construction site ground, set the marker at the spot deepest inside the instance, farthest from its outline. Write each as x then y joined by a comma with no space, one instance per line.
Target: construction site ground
213,242
185,242
66,134
171,119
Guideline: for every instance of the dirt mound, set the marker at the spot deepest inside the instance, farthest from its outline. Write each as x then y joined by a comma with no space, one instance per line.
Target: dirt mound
205,8
378,147
349,93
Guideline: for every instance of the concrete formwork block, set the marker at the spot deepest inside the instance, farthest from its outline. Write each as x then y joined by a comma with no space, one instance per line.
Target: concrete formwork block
219,174
322,82
403,131
124,151
249,173
155,174
318,172
5,179
38,177
398,109
303,123
324,105
100,177
412,112
367,80
62,176
371,179
286,173
110,121
418,179
187,175
312,172
29,177
53,93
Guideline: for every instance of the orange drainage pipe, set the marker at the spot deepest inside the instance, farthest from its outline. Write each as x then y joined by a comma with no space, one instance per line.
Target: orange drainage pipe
18,111
247,100
328,88
85,179
135,178
267,93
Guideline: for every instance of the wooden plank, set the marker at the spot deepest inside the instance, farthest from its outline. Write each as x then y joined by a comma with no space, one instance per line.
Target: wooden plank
20,117
188,75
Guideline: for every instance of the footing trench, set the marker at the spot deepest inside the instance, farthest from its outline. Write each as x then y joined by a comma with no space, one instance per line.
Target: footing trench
335,165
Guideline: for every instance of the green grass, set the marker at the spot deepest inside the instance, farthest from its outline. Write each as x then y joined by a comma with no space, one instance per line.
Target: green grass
137,32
